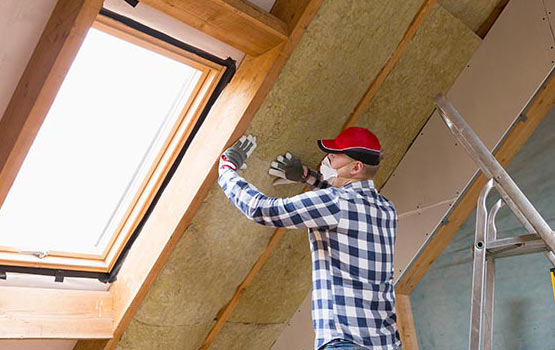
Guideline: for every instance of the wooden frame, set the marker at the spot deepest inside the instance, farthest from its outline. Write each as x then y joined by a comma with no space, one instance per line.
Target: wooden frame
235,22
55,313
103,262
236,107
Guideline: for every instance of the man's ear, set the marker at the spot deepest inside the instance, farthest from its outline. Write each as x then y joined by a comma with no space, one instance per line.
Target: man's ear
358,167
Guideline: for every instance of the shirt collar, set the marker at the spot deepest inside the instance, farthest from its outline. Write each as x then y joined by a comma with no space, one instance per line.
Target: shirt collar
363,184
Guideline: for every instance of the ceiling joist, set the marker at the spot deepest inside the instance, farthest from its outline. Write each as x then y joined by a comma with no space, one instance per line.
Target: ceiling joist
53,313
235,22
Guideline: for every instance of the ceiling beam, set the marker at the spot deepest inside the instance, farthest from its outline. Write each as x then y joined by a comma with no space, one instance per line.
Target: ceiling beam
484,28
54,313
378,81
405,321
235,22
513,141
40,82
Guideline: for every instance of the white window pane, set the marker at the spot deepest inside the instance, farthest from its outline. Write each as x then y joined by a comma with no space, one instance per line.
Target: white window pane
116,104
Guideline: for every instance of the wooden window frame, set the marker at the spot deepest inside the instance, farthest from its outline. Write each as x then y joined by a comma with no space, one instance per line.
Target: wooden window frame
165,157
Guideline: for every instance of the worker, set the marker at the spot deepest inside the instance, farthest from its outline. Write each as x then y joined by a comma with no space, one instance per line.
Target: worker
351,232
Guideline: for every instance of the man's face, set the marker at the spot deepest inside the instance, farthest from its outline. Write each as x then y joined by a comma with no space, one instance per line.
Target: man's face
339,162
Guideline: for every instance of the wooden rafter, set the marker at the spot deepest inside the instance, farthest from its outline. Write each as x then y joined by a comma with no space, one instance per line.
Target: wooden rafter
39,84
515,139
378,81
405,322
235,22
54,313
484,28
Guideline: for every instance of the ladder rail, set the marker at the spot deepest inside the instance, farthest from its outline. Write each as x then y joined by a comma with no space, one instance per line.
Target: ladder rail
493,170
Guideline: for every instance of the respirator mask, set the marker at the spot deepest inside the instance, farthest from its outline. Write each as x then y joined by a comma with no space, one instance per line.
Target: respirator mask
329,174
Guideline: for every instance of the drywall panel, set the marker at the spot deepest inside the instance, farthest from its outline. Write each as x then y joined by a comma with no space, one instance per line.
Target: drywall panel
425,219
318,88
431,63
299,334
471,12
436,162
21,25
524,313
490,93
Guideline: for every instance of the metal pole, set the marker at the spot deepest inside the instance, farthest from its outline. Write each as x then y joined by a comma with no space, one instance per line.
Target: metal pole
491,167
489,300
479,269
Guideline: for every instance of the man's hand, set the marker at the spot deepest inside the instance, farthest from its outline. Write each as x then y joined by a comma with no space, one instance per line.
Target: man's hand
234,157
287,170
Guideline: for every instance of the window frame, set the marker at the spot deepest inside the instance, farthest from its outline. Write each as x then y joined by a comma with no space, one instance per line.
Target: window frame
211,74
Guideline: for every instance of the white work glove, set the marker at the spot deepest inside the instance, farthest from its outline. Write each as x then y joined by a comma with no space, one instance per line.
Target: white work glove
234,157
288,169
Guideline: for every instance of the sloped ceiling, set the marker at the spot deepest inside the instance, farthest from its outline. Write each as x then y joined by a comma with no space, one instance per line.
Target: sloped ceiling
338,57
341,52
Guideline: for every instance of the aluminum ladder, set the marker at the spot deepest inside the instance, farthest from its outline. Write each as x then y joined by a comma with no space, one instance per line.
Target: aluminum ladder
487,248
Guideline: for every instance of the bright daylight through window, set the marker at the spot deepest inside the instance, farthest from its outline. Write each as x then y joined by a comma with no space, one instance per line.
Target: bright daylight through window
113,115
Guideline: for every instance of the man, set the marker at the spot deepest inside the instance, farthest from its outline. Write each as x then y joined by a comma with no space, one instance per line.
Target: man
351,232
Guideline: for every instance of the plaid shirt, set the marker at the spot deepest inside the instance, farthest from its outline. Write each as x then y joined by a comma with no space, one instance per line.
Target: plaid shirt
352,233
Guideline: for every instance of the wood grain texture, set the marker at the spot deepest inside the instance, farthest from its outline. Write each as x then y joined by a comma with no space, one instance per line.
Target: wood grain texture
235,22
405,322
515,139
54,313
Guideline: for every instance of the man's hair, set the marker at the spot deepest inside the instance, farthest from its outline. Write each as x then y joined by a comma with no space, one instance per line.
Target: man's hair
369,171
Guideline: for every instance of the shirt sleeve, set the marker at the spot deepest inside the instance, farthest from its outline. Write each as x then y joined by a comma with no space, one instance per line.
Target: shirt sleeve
311,209
315,180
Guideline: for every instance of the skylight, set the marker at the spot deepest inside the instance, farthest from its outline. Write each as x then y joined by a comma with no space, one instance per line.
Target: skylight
109,121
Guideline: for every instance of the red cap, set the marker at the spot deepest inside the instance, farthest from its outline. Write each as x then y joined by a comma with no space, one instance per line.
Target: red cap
356,142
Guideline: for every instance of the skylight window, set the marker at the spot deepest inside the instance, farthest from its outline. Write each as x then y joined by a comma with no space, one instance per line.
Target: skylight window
121,112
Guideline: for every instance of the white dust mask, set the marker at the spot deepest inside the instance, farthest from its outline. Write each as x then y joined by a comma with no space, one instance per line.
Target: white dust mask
328,173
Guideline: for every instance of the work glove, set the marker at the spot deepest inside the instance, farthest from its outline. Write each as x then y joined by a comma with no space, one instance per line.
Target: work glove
288,169
234,157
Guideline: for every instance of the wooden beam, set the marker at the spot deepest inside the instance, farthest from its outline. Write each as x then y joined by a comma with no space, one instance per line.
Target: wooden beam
235,22
405,322
378,81
289,11
488,23
54,313
39,84
515,139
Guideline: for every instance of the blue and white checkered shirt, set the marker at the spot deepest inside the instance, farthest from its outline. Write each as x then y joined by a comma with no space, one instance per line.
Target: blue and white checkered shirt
352,233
